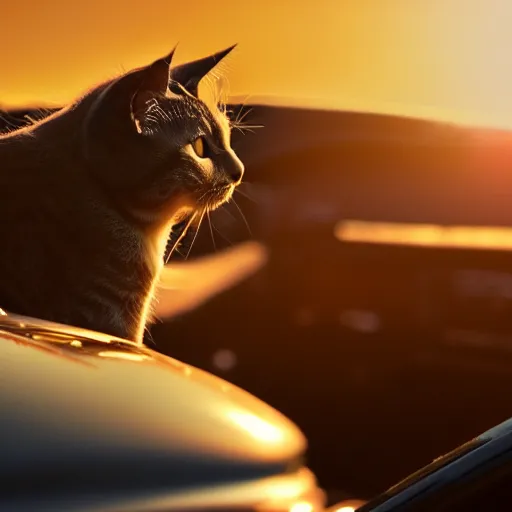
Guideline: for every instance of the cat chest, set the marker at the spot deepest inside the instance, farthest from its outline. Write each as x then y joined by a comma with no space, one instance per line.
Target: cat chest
154,251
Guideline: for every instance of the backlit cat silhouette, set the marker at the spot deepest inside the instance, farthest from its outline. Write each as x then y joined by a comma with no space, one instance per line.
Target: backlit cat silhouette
90,194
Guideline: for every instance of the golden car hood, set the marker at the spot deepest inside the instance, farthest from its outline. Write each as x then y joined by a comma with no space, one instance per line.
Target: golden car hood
90,410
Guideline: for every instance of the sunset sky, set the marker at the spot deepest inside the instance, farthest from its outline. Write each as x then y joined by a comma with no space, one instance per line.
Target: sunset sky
435,58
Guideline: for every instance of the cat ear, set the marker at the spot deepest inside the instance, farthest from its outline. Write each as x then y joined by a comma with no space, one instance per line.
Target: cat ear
156,76
190,74
154,82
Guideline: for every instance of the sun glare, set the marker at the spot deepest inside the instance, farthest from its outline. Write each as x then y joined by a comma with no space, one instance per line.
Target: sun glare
257,427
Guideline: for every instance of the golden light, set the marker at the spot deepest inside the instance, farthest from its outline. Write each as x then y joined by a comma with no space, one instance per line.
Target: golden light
302,506
348,506
425,235
256,427
126,356
433,59
183,287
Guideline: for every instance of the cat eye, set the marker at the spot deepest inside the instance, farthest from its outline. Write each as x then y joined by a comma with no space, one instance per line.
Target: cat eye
200,147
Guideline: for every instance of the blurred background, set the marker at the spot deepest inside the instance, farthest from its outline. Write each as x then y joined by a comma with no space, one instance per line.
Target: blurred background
380,187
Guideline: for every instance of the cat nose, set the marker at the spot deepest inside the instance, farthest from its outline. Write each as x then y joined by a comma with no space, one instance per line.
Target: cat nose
236,175
236,170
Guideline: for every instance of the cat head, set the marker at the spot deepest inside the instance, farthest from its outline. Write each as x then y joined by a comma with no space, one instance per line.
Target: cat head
154,144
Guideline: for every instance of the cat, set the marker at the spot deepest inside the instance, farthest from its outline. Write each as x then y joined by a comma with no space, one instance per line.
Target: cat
89,195
11,119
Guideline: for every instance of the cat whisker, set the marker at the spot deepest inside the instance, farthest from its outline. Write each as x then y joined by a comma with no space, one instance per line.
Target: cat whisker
230,242
249,126
211,230
241,117
246,128
245,100
242,114
243,217
239,124
149,338
181,237
246,195
202,196
228,211
195,234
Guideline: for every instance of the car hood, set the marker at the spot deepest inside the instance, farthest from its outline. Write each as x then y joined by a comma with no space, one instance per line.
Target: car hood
82,408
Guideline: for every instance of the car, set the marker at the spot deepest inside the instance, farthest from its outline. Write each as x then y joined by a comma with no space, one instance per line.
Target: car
93,423
474,477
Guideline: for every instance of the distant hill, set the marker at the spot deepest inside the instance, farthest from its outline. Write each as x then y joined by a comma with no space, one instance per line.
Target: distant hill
362,165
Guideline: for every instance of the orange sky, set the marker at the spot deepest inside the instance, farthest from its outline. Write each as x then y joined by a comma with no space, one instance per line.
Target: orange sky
435,58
